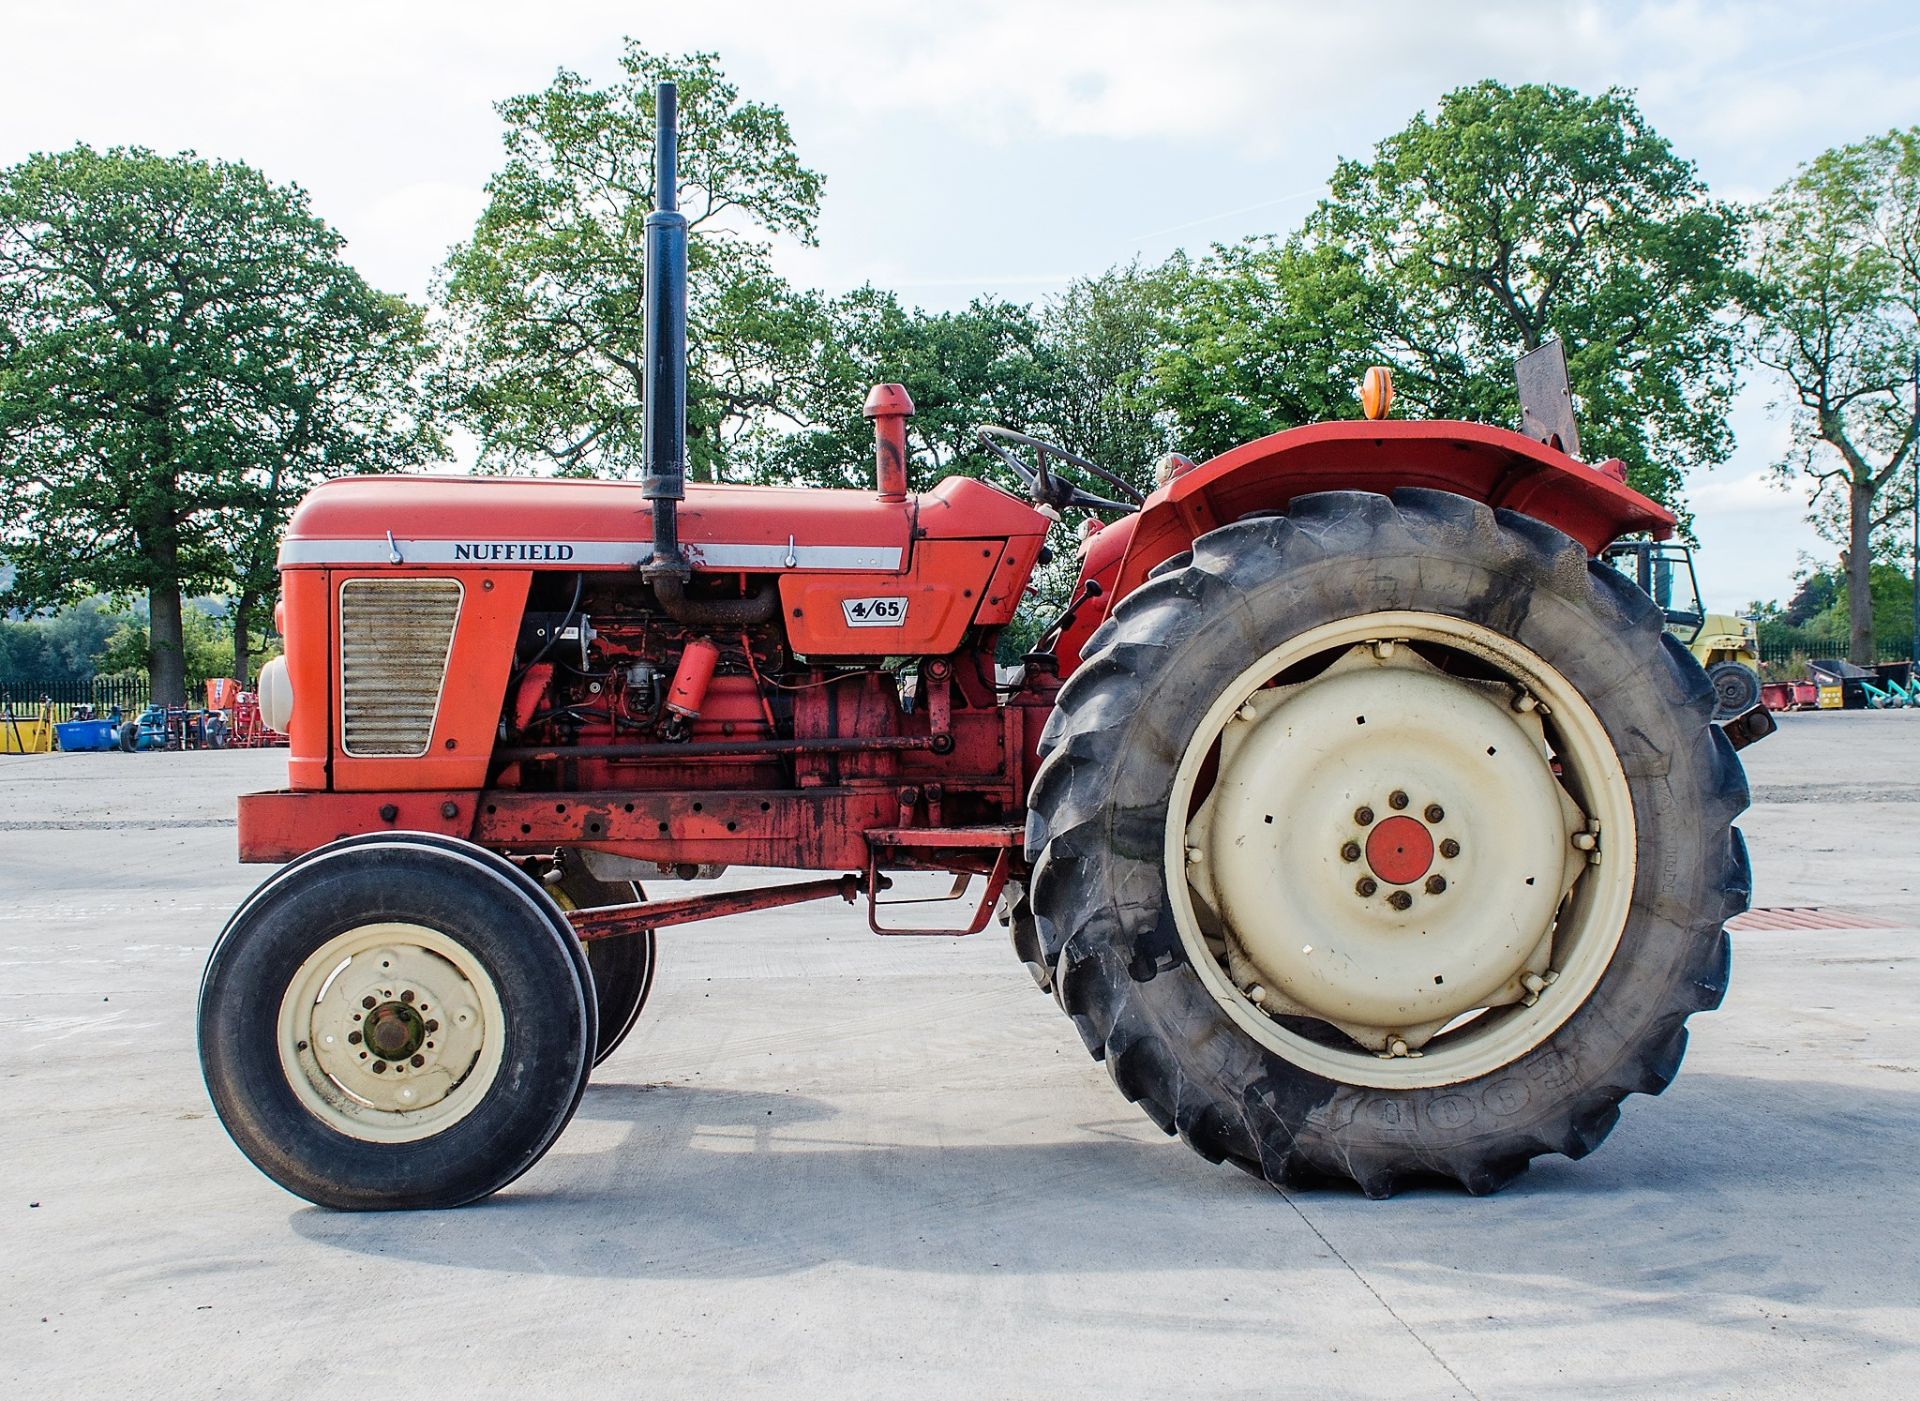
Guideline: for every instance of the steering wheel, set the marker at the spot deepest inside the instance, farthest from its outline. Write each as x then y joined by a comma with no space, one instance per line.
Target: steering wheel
1046,487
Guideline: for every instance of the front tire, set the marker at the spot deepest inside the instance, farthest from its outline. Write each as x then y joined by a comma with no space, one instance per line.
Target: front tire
1268,977
393,1024
1736,689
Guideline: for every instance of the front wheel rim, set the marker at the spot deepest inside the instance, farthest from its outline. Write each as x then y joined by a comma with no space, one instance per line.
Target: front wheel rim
1321,933
391,1032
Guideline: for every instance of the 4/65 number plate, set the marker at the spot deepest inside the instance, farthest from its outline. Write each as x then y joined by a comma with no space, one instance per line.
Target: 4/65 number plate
889,612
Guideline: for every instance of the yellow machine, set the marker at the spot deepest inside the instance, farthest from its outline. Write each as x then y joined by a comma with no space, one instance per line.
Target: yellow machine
1727,647
26,734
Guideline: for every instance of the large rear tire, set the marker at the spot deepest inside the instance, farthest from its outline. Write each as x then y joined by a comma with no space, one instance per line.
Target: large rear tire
1386,840
395,1024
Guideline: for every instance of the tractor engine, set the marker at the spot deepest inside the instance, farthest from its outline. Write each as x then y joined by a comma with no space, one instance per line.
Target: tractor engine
615,669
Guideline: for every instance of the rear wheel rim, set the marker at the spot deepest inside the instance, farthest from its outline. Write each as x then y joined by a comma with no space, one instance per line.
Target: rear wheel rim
391,1032
1291,801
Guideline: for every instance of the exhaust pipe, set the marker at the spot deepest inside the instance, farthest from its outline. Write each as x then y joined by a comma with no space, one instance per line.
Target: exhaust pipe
664,379
664,375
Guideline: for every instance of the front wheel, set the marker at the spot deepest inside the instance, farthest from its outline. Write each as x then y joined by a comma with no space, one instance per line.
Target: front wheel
392,1024
1736,689
1386,840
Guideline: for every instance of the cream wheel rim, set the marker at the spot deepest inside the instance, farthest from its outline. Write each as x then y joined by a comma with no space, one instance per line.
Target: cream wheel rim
391,1032
1423,853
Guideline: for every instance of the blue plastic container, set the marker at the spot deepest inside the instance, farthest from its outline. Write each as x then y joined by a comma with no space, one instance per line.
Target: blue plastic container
78,735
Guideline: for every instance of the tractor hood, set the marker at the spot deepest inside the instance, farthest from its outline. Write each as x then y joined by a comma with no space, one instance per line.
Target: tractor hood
436,521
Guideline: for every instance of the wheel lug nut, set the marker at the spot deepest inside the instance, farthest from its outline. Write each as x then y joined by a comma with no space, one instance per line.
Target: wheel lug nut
1366,885
1449,847
1436,813
366,1002
1436,884
1400,900
417,1062
379,1067
406,994
1397,800
1350,852
353,1038
1363,815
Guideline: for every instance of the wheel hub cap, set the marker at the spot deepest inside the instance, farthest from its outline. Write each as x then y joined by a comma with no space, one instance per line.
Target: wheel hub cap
395,1031
1400,850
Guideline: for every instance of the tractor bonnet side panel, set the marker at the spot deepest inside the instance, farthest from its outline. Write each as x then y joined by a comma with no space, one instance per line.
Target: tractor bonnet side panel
974,548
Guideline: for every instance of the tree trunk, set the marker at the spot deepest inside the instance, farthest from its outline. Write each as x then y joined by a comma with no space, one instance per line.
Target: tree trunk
1859,566
166,647
159,541
242,635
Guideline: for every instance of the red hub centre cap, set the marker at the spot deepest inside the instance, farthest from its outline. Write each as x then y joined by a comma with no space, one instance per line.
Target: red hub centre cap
1399,850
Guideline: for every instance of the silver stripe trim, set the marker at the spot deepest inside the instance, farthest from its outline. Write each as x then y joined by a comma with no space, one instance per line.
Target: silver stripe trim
790,556
479,553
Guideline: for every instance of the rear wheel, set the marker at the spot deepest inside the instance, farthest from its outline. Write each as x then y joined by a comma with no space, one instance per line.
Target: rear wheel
622,967
394,1024
1736,689
1016,913
1386,840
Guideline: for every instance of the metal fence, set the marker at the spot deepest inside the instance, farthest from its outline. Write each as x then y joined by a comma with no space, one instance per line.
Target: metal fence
22,696
1791,647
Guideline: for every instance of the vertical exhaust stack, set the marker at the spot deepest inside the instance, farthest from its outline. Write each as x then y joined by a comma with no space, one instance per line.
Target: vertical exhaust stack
664,481
665,371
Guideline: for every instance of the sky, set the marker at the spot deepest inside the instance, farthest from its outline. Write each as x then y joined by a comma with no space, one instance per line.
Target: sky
978,147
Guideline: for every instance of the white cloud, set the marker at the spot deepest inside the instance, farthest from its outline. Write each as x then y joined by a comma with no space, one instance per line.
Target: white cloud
975,146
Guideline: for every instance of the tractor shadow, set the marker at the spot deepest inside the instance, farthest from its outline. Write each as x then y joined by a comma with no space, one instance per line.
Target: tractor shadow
1798,1192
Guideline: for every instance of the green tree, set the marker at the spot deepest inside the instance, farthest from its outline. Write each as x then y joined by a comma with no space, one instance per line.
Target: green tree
1890,597
1099,343
206,648
986,363
547,297
61,646
1263,335
183,352
1516,215
1815,593
1838,316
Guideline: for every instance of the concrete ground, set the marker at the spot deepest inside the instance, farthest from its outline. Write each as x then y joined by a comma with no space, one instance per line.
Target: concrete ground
830,1165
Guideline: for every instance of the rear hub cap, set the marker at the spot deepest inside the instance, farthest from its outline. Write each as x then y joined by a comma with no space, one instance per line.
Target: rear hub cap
1400,850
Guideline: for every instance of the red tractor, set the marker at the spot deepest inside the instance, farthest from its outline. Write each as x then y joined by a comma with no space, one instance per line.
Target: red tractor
1364,824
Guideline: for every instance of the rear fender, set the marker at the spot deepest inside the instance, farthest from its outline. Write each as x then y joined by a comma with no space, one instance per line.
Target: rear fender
1592,503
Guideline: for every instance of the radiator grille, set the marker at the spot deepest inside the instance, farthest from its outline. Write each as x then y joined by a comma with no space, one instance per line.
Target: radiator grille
395,636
